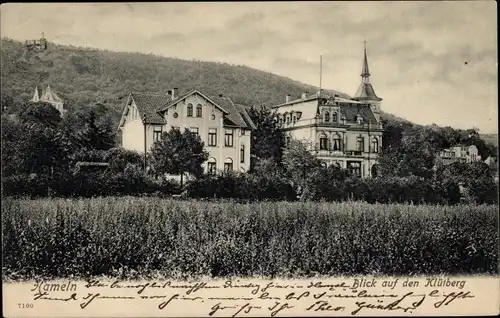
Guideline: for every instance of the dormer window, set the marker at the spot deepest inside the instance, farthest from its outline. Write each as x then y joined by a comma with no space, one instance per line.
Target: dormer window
359,120
334,117
327,116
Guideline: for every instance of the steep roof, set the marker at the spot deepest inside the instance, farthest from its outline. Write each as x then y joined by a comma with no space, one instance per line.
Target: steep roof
152,105
149,104
350,112
366,92
50,95
237,114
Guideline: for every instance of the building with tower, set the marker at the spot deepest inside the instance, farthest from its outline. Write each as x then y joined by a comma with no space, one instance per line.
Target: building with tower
49,96
339,130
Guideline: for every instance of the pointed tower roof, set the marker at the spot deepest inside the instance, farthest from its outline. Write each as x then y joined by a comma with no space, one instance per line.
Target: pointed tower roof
365,90
36,95
51,96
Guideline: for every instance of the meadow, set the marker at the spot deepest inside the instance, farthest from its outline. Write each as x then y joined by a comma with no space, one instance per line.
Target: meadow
136,237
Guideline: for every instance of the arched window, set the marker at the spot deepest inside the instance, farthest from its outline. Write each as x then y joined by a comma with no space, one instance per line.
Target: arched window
375,145
323,142
360,144
190,110
327,116
212,165
199,111
337,143
374,171
335,117
228,165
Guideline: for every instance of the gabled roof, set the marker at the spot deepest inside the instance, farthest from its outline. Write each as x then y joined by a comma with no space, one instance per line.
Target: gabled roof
191,92
245,115
350,112
147,104
153,105
234,117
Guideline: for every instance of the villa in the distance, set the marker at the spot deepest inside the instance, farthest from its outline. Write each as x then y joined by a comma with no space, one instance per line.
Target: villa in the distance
49,96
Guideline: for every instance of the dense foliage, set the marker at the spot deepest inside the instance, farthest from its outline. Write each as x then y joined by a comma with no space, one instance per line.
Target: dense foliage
178,153
158,237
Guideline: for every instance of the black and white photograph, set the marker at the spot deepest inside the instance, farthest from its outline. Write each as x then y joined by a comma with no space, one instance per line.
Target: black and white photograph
237,159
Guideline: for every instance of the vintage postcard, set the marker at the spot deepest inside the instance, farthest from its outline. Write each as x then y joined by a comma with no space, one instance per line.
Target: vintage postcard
221,159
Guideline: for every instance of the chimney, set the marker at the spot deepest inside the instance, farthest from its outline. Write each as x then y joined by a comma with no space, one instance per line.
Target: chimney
169,93
287,98
220,95
175,92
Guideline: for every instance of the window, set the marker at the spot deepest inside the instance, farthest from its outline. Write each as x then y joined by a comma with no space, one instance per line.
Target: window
228,165
157,133
337,143
212,166
360,144
287,140
199,111
228,138
194,130
327,116
354,168
242,154
212,137
334,117
190,110
323,143
294,120
375,145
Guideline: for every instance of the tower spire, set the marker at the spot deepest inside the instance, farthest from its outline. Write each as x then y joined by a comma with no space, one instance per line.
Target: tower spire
365,90
365,73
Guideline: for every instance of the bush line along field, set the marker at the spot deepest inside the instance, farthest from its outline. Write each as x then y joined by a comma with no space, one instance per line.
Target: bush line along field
152,237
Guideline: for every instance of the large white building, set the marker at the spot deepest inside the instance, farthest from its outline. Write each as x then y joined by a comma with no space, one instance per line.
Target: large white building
340,130
224,127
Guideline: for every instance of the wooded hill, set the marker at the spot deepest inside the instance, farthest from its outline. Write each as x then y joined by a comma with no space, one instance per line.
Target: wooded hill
84,76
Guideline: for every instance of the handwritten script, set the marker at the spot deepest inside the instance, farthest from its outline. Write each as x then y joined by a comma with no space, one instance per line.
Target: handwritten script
246,297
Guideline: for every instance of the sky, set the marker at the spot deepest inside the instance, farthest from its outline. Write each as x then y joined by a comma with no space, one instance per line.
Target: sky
431,62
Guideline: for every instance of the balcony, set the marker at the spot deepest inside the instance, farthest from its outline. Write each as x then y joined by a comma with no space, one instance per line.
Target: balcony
353,153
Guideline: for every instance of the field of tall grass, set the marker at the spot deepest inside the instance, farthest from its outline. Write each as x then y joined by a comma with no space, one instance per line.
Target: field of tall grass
150,237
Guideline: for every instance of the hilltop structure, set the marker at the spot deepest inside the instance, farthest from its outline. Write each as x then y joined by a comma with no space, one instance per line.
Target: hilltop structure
224,127
49,96
346,132
36,45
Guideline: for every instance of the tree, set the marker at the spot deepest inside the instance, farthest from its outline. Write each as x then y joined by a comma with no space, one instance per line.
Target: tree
94,135
41,113
178,153
299,164
267,138
33,148
120,158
